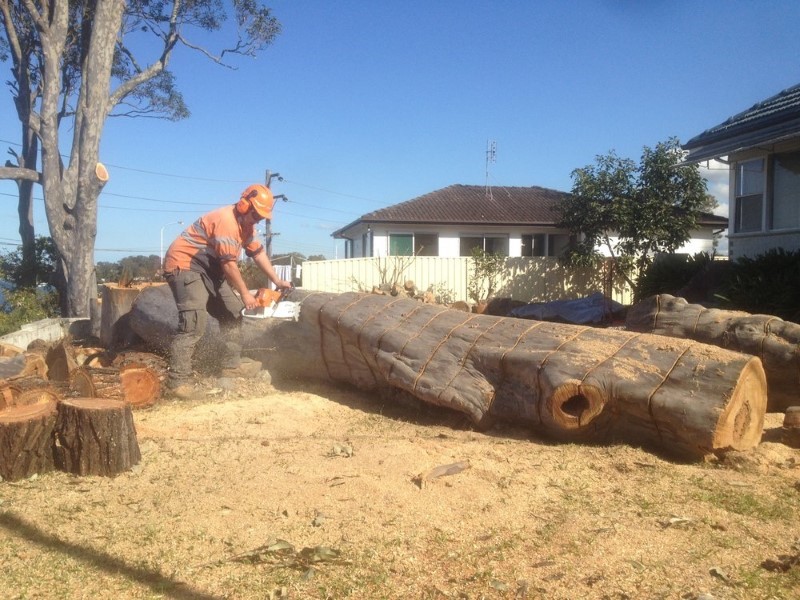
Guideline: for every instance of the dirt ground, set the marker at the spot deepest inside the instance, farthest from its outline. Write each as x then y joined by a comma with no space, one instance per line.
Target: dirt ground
315,492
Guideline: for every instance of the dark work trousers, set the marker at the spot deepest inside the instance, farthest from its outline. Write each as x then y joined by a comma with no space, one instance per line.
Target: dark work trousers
197,296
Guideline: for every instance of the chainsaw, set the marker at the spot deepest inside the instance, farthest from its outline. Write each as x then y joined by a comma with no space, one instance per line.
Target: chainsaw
272,304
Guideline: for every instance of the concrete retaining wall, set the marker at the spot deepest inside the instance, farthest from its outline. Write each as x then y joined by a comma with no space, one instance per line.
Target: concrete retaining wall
49,330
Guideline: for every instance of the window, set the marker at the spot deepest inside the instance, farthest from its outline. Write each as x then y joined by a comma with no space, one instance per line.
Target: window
426,244
785,213
749,195
558,243
413,244
534,245
493,245
401,244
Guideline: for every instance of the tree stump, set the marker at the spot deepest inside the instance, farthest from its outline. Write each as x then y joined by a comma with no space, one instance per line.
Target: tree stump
26,440
95,436
775,341
117,301
134,383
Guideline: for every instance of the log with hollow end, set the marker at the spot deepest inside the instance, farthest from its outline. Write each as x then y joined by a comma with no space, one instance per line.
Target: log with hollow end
571,382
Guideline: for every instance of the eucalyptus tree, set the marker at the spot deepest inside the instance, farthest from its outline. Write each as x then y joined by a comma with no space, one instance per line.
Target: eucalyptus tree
77,62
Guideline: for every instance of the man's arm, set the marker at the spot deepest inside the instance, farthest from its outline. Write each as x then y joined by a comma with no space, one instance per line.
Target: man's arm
234,277
262,260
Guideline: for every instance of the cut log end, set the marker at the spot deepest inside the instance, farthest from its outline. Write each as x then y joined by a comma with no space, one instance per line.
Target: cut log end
741,424
27,412
141,386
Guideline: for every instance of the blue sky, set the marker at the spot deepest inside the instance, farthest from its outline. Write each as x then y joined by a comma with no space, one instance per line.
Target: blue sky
363,104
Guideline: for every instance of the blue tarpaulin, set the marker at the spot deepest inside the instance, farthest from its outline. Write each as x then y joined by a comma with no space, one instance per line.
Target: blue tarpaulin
582,311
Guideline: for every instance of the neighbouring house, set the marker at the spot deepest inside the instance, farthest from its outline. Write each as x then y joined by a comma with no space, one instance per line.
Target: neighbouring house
762,147
451,222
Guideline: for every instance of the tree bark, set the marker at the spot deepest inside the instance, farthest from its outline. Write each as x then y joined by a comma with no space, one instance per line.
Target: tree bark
95,436
570,382
26,440
775,341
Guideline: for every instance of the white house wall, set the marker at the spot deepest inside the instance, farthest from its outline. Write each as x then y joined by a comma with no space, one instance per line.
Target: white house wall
450,240
703,241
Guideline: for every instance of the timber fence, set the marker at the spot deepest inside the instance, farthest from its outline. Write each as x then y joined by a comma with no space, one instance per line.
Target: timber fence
525,279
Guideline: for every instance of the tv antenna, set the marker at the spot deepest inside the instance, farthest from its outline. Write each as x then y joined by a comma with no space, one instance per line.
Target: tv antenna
491,156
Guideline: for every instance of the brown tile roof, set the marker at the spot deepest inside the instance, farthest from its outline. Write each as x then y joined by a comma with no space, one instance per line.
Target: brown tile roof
466,204
470,204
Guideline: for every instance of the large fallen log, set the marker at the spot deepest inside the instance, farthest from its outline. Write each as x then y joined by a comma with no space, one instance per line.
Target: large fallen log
775,341
570,382
154,319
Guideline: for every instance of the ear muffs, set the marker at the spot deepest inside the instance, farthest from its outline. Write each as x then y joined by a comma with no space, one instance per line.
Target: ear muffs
243,205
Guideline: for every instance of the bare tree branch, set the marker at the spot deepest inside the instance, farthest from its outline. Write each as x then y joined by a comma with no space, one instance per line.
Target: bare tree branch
20,174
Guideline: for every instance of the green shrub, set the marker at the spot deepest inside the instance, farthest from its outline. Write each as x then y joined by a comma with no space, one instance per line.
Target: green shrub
767,284
24,306
669,273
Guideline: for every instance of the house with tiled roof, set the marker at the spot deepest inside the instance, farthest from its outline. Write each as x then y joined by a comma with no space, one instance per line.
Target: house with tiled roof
451,222
762,147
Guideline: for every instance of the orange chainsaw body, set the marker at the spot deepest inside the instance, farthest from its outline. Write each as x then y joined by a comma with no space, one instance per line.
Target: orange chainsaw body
267,297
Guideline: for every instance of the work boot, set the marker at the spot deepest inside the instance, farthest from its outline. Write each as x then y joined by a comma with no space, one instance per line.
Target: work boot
247,368
183,391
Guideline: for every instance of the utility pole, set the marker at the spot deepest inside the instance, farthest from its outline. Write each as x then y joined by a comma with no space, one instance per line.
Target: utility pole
268,233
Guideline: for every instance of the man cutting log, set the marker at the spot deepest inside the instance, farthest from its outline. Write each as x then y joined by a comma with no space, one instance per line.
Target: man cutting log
202,271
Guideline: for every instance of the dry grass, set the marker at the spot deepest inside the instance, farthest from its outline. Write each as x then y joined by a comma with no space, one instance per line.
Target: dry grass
314,493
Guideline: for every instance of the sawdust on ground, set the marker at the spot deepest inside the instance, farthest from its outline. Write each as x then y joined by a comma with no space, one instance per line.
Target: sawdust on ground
315,492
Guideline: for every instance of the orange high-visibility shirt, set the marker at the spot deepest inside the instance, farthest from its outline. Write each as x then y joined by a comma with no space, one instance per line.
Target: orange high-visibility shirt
213,239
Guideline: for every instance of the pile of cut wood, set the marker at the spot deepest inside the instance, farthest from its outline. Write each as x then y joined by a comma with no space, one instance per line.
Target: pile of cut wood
68,407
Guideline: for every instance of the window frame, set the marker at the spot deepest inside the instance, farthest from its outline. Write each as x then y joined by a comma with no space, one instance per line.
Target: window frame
742,200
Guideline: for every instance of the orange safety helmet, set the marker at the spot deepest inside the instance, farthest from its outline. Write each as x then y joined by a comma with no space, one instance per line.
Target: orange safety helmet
260,198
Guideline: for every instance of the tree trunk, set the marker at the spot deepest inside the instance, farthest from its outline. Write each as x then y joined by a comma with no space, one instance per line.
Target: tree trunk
775,341
570,382
95,436
71,192
26,440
